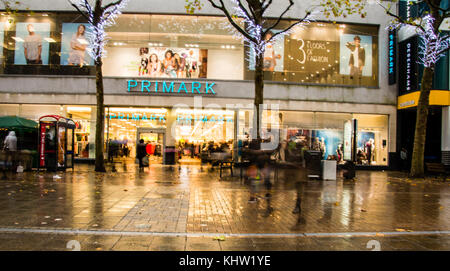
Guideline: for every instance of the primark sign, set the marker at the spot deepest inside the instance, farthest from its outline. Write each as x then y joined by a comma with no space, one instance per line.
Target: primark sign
157,87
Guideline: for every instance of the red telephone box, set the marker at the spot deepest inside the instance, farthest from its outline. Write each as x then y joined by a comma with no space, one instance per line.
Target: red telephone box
56,142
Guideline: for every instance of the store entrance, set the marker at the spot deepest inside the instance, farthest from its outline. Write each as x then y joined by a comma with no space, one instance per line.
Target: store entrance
154,138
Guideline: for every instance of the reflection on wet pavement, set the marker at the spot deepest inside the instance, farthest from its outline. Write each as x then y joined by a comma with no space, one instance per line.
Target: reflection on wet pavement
192,199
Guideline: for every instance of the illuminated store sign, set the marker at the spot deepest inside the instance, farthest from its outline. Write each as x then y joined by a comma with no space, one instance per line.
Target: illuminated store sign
392,57
173,87
204,118
408,67
136,117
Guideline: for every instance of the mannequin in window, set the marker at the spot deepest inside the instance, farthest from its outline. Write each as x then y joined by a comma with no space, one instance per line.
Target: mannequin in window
323,147
369,150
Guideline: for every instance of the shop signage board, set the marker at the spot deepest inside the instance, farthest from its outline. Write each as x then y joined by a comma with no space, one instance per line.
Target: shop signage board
158,87
136,117
392,56
204,118
437,97
408,67
162,117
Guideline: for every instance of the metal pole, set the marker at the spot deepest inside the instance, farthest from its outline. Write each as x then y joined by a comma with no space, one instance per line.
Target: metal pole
107,136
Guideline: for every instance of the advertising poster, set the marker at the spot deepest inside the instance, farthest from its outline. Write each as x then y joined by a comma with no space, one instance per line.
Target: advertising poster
32,43
355,55
2,34
312,56
74,45
169,62
273,56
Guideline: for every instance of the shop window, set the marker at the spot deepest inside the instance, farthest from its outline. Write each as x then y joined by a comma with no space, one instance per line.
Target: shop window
84,118
323,53
162,46
324,132
122,124
372,138
183,46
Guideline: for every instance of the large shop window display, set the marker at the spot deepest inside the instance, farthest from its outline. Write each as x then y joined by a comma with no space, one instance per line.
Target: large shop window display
322,53
161,46
325,132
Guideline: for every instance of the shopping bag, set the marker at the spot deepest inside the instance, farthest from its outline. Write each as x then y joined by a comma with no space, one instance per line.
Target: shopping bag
145,161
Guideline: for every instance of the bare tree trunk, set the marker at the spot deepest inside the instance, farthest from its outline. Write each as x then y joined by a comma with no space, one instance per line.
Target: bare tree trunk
99,129
417,164
259,90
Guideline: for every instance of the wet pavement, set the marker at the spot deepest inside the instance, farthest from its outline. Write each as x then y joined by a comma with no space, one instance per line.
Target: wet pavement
189,207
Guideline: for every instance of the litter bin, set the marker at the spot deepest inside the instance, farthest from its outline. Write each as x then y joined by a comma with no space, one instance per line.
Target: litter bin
169,157
329,170
313,164
349,170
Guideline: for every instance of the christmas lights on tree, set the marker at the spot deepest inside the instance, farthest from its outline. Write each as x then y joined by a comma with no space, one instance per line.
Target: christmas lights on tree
255,32
96,35
432,45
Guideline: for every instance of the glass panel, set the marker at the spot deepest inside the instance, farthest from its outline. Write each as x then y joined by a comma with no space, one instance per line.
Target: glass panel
323,53
173,47
81,115
372,139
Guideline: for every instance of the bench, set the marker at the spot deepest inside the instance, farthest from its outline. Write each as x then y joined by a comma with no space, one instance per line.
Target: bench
436,168
228,164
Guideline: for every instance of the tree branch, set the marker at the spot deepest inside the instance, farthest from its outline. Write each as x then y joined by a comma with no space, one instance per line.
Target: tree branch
388,12
291,26
83,13
230,19
245,11
291,3
118,2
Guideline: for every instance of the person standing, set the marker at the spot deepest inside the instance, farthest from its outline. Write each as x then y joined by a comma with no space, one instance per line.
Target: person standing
32,46
10,146
357,57
141,152
404,159
78,45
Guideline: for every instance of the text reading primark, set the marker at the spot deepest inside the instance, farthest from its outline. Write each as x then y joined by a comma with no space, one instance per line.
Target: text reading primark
164,87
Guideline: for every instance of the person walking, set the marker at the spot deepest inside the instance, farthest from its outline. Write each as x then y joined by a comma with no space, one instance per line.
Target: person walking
10,146
141,152
404,159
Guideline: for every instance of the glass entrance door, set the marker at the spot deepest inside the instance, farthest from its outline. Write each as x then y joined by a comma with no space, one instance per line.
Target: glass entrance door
155,143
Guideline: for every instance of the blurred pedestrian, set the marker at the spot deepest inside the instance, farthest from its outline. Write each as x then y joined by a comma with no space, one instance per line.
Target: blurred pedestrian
141,152
10,147
404,159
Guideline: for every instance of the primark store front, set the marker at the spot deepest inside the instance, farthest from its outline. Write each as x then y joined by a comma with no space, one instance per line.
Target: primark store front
180,79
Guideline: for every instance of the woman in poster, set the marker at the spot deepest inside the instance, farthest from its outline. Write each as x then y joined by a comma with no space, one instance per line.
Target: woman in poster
169,64
181,64
155,66
270,58
78,45
143,68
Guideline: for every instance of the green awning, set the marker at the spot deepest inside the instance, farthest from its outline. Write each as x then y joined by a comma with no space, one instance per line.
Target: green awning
15,122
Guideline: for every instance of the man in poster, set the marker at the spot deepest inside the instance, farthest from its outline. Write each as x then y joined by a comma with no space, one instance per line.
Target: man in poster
357,57
32,46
